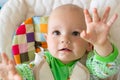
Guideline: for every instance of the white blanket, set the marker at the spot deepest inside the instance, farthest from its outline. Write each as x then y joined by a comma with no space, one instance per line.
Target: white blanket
14,12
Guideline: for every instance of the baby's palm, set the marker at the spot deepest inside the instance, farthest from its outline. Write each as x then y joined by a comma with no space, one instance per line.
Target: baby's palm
97,28
7,69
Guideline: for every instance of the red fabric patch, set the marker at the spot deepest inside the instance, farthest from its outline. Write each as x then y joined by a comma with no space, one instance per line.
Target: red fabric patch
15,49
21,30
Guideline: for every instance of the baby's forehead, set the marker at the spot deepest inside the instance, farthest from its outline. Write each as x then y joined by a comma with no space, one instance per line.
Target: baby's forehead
67,11
71,13
67,8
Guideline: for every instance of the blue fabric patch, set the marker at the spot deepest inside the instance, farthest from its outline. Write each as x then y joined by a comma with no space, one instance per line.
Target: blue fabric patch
36,20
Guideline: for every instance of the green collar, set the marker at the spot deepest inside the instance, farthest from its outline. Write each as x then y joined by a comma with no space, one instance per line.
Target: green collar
60,70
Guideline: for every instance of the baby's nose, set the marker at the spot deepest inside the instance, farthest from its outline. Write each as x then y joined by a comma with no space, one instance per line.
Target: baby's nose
65,40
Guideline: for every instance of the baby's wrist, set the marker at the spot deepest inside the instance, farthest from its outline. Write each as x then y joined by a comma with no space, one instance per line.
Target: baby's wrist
108,58
104,49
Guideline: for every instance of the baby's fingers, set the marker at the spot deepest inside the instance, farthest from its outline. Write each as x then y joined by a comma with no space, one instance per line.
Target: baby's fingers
106,14
4,58
11,67
87,16
13,71
96,17
112,20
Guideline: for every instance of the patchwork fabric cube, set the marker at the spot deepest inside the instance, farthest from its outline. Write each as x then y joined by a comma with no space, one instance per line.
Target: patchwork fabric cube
29,36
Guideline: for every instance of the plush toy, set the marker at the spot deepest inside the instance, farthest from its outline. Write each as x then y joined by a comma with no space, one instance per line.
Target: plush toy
28,39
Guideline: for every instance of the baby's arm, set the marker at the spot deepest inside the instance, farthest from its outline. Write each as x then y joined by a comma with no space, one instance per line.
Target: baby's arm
103,61
97,31
7,69
103,67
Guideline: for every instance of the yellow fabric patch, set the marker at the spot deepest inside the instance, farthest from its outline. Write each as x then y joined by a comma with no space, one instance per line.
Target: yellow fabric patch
17,59
43,28
28,21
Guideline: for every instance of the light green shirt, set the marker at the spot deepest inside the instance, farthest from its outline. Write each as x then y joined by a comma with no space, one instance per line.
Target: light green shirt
103,67
98,66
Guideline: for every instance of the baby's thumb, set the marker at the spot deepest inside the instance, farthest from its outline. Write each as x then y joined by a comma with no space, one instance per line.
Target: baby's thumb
83,35
11,67
86,36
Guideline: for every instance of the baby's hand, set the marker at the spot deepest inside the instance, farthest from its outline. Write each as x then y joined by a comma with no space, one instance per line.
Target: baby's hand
7,69
98,29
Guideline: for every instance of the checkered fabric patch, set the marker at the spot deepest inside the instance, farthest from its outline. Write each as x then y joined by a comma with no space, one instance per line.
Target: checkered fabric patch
29,36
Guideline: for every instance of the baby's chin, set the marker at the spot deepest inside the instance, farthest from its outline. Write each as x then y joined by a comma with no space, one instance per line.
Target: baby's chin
66,59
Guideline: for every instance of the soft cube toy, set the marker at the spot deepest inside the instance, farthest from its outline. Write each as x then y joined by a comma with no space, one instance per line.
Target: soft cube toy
29,36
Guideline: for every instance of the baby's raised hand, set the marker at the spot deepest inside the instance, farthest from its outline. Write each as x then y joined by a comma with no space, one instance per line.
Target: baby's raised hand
7,69
97,30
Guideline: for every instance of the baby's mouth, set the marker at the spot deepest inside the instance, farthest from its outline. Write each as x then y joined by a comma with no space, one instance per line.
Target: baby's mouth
65,49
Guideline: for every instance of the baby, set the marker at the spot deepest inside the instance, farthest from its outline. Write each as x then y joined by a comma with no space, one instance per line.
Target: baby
72,33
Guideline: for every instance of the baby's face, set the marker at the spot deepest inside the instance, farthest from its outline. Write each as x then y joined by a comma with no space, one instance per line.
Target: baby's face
63,38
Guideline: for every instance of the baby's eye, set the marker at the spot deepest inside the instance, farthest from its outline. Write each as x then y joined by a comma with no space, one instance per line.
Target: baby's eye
56,32
76,33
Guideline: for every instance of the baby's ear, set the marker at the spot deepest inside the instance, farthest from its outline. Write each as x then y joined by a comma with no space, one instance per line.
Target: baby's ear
90,47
